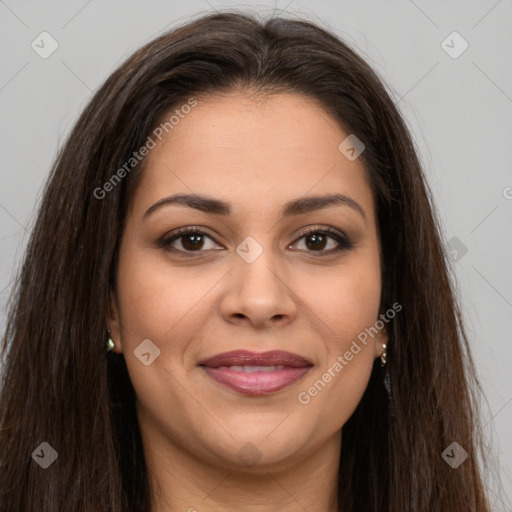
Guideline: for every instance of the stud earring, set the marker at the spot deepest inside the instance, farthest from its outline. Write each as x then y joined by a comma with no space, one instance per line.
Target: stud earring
109,343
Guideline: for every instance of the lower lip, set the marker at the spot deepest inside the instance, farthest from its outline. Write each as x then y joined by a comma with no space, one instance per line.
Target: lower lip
256,383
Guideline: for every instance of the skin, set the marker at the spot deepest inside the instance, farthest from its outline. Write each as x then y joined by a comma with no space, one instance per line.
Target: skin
256,154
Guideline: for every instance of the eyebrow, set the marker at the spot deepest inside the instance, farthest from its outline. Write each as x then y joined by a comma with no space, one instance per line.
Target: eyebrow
294,207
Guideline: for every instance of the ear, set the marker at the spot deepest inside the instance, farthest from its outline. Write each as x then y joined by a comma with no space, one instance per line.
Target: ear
113,323
380,339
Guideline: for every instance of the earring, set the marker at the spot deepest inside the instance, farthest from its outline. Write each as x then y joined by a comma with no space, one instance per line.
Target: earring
109,343
383,356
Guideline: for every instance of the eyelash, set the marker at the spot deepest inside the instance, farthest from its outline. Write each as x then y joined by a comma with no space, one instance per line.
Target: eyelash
344,242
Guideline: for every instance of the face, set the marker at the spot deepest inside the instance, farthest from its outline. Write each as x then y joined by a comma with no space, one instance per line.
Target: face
249,279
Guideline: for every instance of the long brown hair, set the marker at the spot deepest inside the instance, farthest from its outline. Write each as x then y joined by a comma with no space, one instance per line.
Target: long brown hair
60,387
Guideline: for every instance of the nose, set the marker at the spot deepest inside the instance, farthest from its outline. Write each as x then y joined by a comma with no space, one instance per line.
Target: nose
259,294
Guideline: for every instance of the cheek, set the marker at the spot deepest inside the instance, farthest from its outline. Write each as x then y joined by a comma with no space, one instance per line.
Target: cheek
154,298
156,304
346,299
347,303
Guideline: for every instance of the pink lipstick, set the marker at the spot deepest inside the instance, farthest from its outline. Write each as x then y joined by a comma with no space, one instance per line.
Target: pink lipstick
256,373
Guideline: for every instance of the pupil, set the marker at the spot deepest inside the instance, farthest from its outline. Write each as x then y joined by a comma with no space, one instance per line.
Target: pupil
192,241
320,239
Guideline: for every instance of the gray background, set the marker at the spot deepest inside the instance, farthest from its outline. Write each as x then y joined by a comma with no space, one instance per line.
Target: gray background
459,110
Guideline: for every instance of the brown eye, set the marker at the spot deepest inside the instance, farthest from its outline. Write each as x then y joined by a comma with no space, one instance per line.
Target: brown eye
190,239
316,240
193,240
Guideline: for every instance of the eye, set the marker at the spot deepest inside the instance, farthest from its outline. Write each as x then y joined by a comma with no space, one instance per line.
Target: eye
192,240
316,239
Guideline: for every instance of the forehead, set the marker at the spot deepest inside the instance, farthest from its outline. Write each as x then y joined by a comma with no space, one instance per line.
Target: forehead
254,153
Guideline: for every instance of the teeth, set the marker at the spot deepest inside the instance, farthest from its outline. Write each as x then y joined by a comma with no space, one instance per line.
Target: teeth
250,369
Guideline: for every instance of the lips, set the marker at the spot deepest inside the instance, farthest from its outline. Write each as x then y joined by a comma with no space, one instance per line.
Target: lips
246,358
256,373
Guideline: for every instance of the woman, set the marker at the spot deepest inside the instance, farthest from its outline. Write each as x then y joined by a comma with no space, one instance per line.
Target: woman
235,295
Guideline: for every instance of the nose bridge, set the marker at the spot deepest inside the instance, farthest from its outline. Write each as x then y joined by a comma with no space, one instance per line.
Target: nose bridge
258,288
257,264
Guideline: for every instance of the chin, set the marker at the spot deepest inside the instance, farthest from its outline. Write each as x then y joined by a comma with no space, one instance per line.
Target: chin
263,449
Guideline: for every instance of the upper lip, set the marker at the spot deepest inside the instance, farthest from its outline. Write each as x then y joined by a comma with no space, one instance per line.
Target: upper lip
247,358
